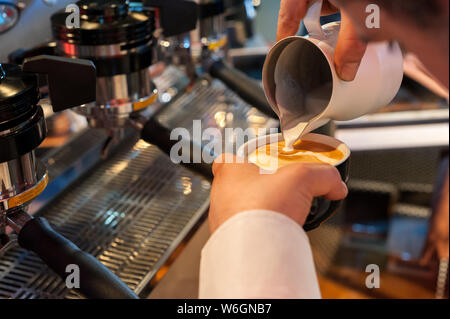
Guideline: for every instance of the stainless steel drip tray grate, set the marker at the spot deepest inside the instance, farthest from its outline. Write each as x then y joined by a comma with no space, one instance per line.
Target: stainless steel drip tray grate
130,212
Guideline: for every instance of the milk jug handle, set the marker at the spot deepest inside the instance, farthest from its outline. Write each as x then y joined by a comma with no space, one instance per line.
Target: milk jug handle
312,20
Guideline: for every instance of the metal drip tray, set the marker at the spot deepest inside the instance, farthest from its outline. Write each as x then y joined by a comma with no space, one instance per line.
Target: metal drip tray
134,209
130,213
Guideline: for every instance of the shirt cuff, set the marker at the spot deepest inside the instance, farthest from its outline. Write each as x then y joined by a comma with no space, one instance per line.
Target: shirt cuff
258,254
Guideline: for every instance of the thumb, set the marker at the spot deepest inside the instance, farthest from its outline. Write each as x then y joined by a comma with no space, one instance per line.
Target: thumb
349,50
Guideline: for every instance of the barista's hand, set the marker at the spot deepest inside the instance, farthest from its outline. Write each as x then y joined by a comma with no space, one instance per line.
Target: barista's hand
240,187
438,236
349,50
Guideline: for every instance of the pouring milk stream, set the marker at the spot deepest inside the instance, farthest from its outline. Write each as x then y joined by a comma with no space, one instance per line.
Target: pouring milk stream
302,90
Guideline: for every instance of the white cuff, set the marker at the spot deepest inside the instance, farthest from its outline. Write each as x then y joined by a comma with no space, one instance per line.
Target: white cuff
258,254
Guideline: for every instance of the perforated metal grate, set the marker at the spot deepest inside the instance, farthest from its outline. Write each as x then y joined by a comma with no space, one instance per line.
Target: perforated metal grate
399,166
127,213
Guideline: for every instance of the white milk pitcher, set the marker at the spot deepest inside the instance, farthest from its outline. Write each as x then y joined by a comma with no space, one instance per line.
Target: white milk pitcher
304,90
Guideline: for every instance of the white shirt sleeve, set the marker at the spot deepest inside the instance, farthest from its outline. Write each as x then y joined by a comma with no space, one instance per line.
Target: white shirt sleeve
258,254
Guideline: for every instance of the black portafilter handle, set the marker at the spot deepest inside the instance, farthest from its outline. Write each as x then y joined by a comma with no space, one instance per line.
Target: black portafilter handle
157,134
176,16
96,280
19,55
71,82
245,87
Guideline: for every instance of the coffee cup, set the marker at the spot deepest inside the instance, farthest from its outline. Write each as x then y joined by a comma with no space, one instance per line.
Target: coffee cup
309,87
321,208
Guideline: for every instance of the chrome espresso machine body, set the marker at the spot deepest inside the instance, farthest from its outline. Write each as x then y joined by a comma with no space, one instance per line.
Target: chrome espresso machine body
120,43
22,128
120,38
22,123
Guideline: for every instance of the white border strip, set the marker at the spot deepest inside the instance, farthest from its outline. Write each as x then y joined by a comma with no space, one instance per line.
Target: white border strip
408,136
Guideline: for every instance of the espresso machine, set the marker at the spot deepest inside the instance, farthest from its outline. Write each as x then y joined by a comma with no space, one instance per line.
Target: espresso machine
23,177
132,207
120,39
124,40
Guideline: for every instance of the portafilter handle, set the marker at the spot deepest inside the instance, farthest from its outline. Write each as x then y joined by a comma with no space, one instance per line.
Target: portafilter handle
72,82
176,16
19,55
96,281
155,133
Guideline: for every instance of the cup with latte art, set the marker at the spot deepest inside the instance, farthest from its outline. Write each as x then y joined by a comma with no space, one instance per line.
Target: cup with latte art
269,154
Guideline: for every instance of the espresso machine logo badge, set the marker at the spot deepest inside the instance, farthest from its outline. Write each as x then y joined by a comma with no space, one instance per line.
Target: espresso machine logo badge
73,19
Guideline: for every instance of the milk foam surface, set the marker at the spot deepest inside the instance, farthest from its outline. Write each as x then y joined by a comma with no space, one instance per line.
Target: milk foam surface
271,158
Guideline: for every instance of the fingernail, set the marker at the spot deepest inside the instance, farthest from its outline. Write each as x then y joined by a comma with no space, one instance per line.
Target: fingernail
347,71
